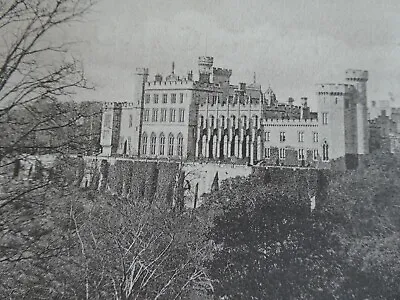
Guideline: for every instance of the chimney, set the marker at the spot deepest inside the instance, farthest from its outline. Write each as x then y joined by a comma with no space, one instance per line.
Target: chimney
304,101
158,78
190,76
290,101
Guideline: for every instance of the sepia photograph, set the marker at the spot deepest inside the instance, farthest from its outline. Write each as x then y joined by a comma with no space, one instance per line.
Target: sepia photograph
200,150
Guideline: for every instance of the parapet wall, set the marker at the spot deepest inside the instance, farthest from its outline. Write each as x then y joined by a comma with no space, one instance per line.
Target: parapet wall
335,89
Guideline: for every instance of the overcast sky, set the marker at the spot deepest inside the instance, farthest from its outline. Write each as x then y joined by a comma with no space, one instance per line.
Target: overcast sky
291,45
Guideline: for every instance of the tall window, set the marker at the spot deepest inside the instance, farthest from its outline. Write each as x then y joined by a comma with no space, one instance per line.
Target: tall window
268,136
325,151
300,153
172,114
163,115
144,143
325,118
155,98
301,136
181,97
164,98
171,141
130,120
153,142
173,98
154,116
223,122
256,122
315,154
282,153
315,137
181,115
180,145
244,119
146,115
201,122
147,98
282,136
267,153
212,122
233,121
162,144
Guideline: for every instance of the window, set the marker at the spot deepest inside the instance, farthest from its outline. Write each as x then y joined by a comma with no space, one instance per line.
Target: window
147,98
164,98
267,153
173,98
315,154
214,99
181,97
244,119
181,115
300,154
212,122
146,115
301,136
130,120
324,118
162,144
163,115
282,153
233,122
223,122
155,98
153,141
144,143
282,136
256,122
154,117
325,152
129,143
170,145
201,122
268,136
172,114
315,137
180,145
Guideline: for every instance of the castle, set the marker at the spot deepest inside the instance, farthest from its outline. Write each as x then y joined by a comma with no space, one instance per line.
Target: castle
212,120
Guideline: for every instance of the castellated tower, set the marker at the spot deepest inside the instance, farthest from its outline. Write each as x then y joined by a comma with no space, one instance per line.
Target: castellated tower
359,78
205,68
343,121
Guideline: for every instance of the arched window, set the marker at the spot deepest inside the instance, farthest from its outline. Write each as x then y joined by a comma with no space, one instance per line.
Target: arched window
325,151
244,120
171,141
144,143
201,122
233,121
180,144
212,122
162,144
153,141
256,122
223,122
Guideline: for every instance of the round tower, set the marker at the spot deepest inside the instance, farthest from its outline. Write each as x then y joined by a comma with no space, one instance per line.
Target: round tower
205,68
359,79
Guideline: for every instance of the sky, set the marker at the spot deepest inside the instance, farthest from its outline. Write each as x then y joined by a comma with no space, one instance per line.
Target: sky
291,45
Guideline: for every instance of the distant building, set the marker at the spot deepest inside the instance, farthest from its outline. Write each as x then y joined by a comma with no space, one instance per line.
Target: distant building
210,119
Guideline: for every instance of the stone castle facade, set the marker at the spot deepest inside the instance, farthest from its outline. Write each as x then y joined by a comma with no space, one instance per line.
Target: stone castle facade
210,119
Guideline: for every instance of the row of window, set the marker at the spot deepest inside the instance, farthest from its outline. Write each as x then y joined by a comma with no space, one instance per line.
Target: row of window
162,116
173,98
282,136
157,146
301,153
244,122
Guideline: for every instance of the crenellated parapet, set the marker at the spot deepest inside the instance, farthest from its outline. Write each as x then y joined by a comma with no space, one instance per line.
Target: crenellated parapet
356,75
334,89
290,122
222,72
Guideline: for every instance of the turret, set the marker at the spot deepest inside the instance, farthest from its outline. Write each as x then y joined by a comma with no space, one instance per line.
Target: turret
205,68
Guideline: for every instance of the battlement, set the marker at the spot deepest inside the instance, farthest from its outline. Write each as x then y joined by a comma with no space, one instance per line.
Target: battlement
290,122
111,105
142,71
206,61
356,75
222,72
180,83
334,89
